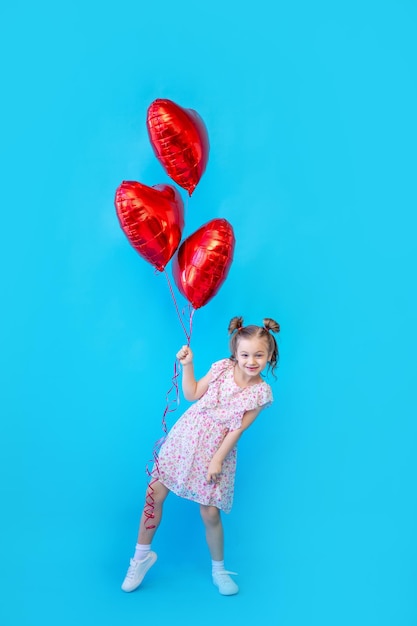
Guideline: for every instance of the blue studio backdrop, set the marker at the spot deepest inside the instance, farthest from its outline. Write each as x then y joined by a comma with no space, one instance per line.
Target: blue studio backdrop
310,110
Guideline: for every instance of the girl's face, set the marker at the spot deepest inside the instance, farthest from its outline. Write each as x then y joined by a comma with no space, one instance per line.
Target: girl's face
252,356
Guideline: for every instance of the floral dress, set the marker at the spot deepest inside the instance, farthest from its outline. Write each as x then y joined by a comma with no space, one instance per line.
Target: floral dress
185,455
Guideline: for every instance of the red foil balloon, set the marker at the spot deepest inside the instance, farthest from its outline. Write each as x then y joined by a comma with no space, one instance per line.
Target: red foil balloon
203,261
152,219
180,142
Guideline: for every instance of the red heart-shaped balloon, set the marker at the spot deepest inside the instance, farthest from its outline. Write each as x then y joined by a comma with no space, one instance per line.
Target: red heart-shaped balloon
152,219
203,261
179,139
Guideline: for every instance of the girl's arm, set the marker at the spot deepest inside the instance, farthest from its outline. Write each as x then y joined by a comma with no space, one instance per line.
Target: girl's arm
191,388
228,443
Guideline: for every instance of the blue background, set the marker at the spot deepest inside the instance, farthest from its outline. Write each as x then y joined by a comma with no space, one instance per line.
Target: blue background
311,114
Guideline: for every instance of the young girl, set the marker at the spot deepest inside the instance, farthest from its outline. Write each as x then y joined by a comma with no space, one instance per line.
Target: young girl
197,460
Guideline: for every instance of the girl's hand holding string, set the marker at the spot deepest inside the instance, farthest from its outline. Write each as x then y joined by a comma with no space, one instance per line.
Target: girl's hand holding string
193,389
185,356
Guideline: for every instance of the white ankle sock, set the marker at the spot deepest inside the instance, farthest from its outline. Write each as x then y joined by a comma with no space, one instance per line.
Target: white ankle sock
217,566
141,551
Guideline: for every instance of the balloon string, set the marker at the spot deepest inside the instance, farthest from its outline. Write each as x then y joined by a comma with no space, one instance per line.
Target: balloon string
191,311
149,509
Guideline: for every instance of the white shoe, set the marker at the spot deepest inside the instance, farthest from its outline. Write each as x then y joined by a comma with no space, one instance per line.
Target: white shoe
137,570
227,586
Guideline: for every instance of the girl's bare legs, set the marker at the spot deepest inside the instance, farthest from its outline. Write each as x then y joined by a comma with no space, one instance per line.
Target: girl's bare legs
214,531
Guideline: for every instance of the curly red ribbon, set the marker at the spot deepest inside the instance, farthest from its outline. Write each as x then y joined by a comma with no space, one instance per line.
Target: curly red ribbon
149,509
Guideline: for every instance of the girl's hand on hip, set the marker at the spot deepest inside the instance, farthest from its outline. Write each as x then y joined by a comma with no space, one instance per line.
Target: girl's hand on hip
214,471
185,356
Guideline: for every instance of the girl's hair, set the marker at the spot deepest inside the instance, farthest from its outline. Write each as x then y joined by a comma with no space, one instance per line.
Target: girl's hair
238,331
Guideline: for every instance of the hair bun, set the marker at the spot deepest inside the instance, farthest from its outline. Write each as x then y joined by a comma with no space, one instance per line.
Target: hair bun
271,325
234,324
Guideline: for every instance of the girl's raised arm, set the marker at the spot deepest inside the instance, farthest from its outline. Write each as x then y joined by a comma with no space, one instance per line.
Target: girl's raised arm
191,388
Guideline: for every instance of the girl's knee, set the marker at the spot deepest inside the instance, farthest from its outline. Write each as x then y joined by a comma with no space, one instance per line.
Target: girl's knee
210,514
157,492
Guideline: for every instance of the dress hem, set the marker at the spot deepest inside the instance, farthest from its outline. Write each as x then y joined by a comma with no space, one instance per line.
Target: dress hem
188,496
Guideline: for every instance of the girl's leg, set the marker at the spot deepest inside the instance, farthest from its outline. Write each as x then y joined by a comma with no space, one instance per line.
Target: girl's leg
157,494
214,531
144,558
215,540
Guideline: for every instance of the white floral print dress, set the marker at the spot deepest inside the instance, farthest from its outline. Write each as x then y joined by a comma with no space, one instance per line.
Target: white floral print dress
185,454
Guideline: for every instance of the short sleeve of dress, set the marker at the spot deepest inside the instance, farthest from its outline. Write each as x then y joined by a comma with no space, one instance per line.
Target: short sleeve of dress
218,368
265,397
